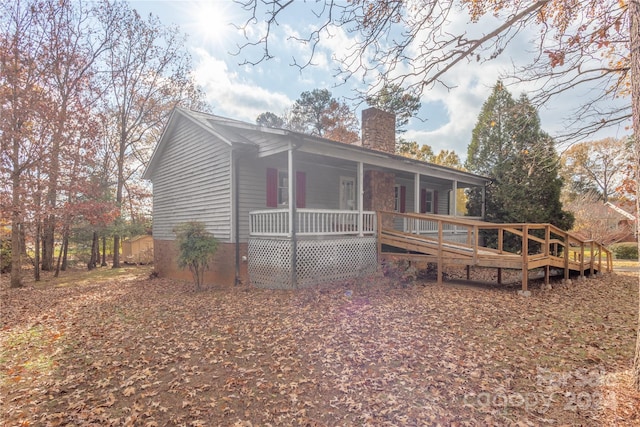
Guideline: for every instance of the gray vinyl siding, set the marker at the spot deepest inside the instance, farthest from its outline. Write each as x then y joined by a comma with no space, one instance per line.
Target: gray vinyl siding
192,183
252,191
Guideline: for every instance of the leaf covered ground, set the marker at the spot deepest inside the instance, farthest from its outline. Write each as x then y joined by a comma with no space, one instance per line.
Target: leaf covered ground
131,350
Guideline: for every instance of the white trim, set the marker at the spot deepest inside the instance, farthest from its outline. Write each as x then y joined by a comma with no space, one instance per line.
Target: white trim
454,203
416,193
291,200
360,197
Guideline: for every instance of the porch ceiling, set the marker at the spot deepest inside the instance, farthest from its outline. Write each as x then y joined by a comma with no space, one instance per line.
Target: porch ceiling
341,163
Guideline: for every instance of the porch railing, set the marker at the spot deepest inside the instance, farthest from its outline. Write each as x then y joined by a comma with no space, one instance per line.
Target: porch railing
429,226
311,222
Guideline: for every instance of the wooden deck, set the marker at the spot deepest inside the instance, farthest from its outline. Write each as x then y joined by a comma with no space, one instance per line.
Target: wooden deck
446,240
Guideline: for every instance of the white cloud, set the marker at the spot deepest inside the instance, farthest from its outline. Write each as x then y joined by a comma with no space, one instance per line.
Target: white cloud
244,92
231,95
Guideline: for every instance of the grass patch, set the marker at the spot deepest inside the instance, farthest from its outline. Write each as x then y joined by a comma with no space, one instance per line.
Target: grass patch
84,277
27,352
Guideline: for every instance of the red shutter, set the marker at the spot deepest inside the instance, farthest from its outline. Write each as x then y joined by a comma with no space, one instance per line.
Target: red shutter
403,199
435,202
423,201
301,189
272,188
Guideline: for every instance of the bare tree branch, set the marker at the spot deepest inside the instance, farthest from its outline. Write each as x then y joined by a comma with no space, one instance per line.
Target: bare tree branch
416,44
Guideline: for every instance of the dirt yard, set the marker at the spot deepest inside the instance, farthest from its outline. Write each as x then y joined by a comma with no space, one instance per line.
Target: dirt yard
124,349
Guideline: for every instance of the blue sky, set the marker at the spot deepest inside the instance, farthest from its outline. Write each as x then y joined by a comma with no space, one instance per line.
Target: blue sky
241,92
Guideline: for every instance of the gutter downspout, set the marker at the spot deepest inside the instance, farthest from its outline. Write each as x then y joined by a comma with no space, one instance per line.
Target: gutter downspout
236,212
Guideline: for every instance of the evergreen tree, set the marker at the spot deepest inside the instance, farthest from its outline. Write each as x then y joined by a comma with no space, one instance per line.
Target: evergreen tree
270,120
509,146
394,99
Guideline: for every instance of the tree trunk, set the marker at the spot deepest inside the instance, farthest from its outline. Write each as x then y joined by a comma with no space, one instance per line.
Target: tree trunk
94,243
16,250
48,243
104,251
634,38
16,260
63,249
65,245
36,261
97,249
116,251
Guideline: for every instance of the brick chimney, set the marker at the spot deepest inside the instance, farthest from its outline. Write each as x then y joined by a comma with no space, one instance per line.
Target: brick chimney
379,133
379,130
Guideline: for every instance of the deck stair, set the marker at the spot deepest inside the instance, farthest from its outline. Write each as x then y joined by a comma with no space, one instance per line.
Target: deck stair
447,240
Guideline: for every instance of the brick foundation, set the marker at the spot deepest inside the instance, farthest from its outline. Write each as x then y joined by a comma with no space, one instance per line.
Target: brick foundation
221,270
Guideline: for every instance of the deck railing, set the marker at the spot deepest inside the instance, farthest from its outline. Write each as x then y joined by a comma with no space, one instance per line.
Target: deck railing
422,225
311,222
499,245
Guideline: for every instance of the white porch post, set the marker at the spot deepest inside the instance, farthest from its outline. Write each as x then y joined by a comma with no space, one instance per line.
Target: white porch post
484,201
292,217
360,198
416,193
454,201
292,193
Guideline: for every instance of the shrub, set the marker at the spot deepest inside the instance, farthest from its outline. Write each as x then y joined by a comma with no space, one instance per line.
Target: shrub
196,246
5,255
627,250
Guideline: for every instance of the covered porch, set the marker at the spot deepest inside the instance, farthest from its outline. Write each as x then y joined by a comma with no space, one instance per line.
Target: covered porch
322,225
316,220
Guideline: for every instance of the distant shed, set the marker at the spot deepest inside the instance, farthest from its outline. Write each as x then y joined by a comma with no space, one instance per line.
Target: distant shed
138,250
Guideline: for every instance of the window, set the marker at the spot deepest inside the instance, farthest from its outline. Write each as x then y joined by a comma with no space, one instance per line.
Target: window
399,198
347,193
283,188
278,188
427,202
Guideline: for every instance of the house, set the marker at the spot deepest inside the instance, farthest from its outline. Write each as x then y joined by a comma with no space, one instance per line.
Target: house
138,250
279,232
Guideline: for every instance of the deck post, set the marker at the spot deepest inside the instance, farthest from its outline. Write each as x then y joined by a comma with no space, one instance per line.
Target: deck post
475,244
591,259
525,257
500,248
547,251
566,256
600,258
440,263
582,260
